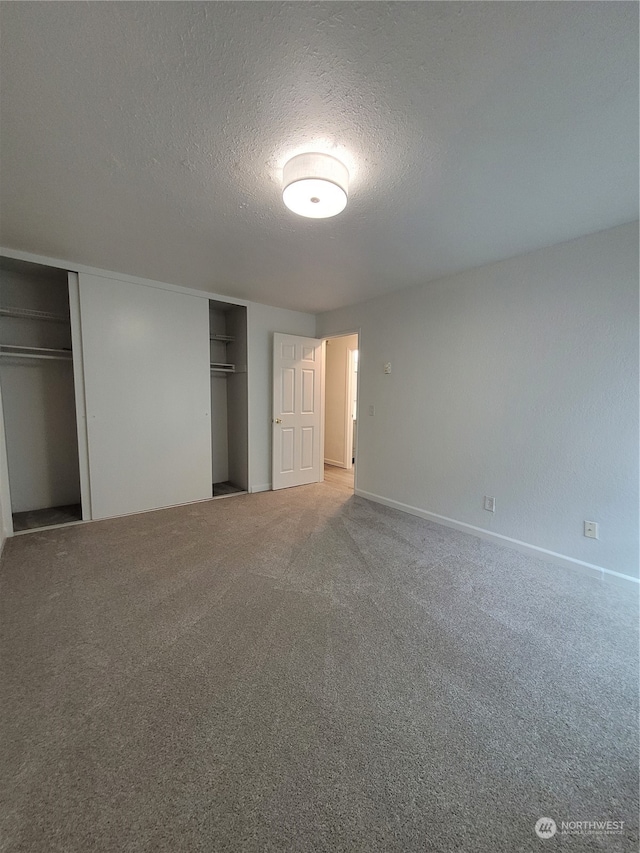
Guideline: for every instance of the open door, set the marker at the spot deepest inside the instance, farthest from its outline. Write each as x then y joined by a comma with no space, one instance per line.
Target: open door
297,376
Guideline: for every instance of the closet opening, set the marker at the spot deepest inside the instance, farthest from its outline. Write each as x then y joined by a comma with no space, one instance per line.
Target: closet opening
38,395
229,409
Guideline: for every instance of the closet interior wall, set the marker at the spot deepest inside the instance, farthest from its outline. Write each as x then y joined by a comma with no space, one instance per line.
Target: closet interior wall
219,439
229,410
237,397
36,381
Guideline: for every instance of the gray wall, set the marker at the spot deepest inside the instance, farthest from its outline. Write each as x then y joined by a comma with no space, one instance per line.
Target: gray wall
517,380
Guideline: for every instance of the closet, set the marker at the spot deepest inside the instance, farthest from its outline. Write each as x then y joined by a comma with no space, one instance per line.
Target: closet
117,397
229,411
38,397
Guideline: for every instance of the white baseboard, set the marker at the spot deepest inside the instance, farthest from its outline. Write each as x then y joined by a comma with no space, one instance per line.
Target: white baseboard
265,487
524,547
334,463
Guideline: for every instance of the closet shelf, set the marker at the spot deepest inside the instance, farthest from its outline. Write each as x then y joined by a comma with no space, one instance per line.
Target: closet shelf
218,367
32,314
225,339
14,351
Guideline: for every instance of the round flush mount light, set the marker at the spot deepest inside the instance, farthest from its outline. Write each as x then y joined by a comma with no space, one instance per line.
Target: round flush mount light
315,185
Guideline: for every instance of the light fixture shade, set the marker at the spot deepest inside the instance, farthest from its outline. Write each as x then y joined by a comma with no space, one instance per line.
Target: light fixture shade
315,185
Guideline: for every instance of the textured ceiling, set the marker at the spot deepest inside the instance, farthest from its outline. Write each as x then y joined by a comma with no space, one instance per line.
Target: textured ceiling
149,138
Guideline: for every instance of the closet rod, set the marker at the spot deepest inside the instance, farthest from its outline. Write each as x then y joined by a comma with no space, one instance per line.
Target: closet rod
32,314
58,350
39,356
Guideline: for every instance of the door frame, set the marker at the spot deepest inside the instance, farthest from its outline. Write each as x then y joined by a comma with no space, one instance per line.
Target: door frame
349,393
6,517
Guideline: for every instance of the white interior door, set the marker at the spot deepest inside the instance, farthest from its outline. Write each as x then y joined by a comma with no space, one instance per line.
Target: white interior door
146,371
297,375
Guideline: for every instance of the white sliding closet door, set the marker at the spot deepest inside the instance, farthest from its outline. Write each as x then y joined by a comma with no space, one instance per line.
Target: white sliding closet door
146,370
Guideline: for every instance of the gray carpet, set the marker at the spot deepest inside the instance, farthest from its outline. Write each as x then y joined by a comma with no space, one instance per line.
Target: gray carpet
307,671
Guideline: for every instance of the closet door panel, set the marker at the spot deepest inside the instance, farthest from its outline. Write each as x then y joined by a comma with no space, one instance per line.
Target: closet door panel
146,370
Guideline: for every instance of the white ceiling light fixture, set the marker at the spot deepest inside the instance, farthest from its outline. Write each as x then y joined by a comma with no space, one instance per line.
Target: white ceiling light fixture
315,185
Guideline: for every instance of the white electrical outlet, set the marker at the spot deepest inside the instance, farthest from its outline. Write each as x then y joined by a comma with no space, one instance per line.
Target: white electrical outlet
387,367
372,410
591,529
489,504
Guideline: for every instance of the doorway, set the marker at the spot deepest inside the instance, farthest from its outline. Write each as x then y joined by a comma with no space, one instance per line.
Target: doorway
228,371
341,409
38,407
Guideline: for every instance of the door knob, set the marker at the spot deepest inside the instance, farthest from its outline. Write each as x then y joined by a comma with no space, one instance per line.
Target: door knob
278,421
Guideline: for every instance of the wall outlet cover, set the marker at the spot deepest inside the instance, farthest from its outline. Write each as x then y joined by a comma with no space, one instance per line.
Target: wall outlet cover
591,529
489,503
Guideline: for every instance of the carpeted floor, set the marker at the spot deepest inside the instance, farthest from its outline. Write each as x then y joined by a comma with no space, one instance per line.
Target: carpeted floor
307,671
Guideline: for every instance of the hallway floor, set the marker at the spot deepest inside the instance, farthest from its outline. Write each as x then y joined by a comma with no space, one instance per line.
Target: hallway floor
339,476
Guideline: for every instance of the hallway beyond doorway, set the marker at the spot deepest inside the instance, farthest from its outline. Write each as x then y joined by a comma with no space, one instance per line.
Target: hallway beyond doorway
339,476
340,400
